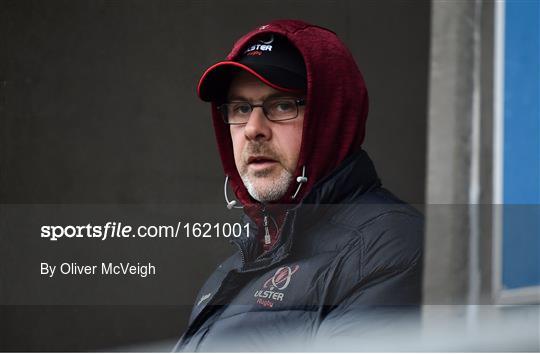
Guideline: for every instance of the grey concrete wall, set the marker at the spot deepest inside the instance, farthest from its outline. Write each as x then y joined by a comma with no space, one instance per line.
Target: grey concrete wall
459,168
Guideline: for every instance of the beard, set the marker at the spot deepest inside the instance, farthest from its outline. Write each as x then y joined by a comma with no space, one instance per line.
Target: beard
267,192
262,185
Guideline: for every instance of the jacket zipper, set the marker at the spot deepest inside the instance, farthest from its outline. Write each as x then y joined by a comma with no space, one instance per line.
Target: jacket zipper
267,237
240,244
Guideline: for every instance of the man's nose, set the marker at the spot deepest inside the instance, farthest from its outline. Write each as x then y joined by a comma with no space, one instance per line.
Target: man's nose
258,126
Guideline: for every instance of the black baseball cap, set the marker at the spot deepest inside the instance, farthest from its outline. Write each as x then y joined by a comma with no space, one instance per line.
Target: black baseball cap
269,57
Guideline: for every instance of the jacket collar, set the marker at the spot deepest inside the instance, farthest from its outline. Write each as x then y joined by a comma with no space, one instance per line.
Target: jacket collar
355,176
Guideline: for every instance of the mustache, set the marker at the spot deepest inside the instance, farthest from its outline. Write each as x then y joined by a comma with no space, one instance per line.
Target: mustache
259,149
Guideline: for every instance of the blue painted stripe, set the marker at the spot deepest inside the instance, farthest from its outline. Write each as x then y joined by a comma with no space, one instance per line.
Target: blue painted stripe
521,224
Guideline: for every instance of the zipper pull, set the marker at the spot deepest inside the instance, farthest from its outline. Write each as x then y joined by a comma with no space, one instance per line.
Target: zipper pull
267,238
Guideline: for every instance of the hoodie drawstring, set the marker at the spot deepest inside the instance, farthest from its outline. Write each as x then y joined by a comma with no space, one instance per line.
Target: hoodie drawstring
232,203
300,180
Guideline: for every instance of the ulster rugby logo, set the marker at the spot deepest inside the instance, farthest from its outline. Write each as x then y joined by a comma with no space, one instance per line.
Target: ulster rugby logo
264,45
277,283
281,279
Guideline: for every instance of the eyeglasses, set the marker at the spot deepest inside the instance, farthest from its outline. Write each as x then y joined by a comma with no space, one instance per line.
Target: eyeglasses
275,109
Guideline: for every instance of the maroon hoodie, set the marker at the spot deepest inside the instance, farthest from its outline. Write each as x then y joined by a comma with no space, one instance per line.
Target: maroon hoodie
334,119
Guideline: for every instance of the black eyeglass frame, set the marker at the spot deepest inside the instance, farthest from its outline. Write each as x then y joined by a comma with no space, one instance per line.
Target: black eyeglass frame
222,108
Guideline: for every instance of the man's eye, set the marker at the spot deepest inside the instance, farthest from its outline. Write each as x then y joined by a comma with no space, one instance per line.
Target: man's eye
241,108
283,106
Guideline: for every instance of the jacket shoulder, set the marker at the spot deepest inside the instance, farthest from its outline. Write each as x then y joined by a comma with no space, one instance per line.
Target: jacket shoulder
370,206
386,232
382,261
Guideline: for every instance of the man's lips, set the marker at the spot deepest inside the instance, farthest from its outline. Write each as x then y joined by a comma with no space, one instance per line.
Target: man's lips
255,160
261,163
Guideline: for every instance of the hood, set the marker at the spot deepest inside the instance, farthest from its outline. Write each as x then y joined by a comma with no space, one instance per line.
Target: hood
335,114
334,121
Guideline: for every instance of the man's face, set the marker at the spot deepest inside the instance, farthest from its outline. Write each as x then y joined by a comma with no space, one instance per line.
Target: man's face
265,152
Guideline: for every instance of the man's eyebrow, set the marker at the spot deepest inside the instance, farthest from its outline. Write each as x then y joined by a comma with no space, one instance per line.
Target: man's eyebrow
272,95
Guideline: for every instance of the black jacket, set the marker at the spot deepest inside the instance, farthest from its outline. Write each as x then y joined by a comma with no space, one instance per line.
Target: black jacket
347,256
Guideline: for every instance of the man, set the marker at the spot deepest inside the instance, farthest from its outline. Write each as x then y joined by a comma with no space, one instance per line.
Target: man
329,252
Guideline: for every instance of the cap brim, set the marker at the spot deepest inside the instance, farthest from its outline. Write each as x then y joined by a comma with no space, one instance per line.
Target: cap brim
214,82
